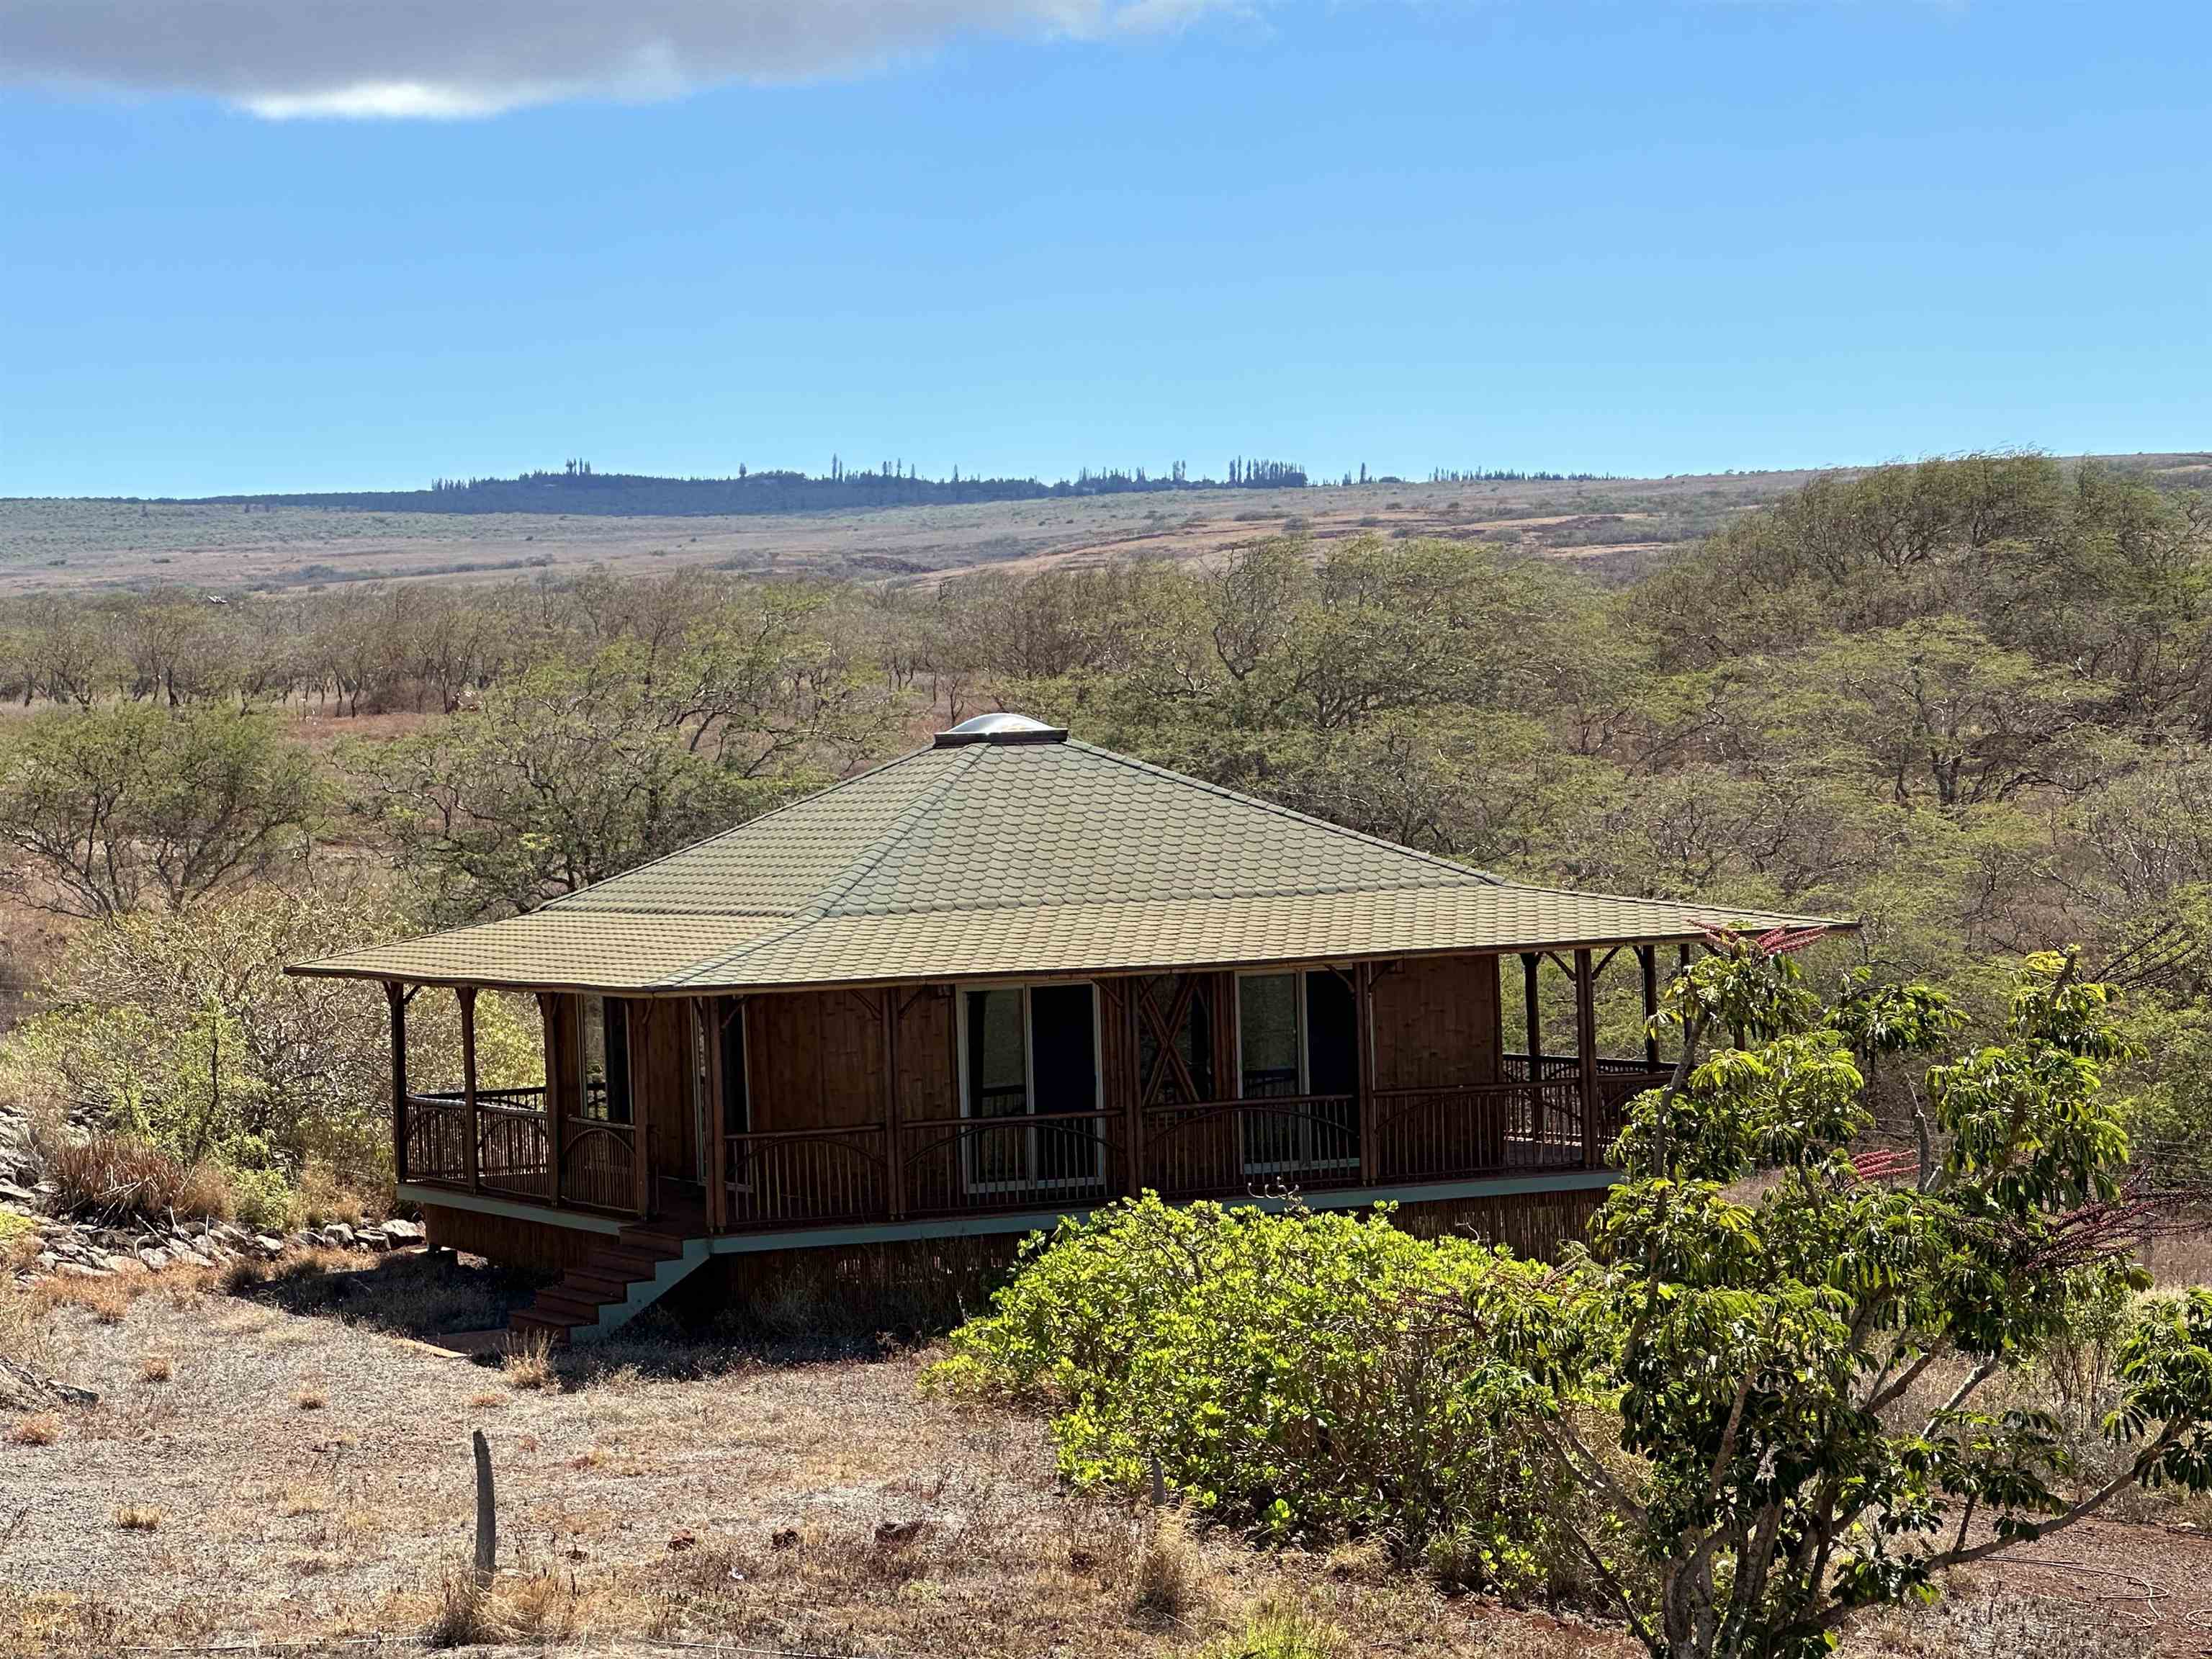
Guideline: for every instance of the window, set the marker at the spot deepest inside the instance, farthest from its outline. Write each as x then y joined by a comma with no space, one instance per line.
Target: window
1179,1073
1030,1051
606,1092
1298,1042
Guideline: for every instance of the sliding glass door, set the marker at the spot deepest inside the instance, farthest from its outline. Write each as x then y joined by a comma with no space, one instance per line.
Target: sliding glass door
1297,1041
1029,1052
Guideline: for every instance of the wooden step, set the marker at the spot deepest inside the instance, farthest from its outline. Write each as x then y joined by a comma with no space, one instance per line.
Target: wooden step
631,1264
608,1286
665,1244
526,1322
577,1307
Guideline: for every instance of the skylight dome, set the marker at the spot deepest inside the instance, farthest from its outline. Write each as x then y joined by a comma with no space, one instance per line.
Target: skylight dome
1003,727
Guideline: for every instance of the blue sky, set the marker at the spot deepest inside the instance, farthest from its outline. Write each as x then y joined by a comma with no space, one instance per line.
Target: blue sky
1632,238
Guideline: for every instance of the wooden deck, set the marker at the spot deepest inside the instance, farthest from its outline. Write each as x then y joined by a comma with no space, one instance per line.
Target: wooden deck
1529,1125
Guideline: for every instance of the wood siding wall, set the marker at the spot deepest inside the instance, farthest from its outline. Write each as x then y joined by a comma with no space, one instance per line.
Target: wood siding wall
815,1059
1436,1023
661,1084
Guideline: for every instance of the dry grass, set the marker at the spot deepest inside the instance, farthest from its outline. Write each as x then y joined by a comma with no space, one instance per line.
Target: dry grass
528,1362
107,1299
113,1177
1171,1582
487,1399
311,1398
38,1429
137,1517
156,1368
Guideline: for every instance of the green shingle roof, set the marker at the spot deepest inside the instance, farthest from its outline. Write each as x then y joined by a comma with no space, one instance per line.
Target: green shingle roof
1007,855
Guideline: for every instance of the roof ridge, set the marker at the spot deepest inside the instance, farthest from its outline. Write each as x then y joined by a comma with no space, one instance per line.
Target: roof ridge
1281,810
810,797
818,907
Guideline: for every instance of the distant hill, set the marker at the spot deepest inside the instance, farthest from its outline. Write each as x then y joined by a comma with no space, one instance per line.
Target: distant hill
579,488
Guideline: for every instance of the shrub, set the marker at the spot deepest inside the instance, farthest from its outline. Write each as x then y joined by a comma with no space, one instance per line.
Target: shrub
38,1429
1283,1371
110,1178
1279,1630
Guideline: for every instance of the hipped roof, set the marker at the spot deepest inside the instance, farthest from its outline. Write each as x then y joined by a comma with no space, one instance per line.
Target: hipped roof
1009,856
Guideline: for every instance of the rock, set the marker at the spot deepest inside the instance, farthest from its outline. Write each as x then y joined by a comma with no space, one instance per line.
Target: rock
371,1238
404,1232
154,1260
897,1535
269,1243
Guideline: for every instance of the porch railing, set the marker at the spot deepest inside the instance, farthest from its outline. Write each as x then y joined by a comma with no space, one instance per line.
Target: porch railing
1231,1146
1530,1121
956,1165
515,1148
807,1176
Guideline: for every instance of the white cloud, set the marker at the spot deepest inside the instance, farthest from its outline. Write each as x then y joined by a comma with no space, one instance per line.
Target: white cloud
452,59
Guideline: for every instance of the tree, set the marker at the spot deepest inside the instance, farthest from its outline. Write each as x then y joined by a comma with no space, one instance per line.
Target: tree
565,775
109,807
182,1029
1763,1354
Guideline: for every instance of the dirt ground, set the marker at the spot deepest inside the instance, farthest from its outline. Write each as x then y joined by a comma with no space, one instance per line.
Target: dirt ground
252,1473
282,1463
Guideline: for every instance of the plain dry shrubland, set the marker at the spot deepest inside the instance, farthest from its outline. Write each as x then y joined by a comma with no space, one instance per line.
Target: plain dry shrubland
1966,700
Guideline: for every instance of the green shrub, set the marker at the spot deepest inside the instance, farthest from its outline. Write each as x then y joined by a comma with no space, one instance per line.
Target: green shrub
1279,1630
1285,1373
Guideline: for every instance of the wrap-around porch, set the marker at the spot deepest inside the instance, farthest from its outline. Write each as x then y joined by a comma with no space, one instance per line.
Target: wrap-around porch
1213,1085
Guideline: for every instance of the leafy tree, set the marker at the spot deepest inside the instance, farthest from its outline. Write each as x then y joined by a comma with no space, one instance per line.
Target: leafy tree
108,807
1767,1355
181,1030
563,776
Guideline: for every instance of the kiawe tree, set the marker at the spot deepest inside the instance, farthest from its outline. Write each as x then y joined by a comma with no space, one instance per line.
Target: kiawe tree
1800,1379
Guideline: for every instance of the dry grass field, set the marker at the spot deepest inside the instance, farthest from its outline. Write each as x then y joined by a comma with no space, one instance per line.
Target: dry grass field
53,545
288,1462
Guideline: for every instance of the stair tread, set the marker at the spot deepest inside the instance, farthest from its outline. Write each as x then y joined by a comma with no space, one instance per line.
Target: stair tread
627,1266
559,1303
608,1286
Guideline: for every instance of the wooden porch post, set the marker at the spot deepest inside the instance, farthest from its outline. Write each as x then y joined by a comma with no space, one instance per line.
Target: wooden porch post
707,1023
1533,1008
637,1038
467,996
549,1018
1648,956
1128,994
894,1165
1586,1052
395,992
1362,1005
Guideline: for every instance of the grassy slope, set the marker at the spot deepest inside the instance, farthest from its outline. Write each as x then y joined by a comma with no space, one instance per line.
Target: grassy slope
48,544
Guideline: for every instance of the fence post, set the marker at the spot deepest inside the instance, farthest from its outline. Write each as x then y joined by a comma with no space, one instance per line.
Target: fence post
486,1514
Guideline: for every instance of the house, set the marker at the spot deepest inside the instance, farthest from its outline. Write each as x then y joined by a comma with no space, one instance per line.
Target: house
1001,980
